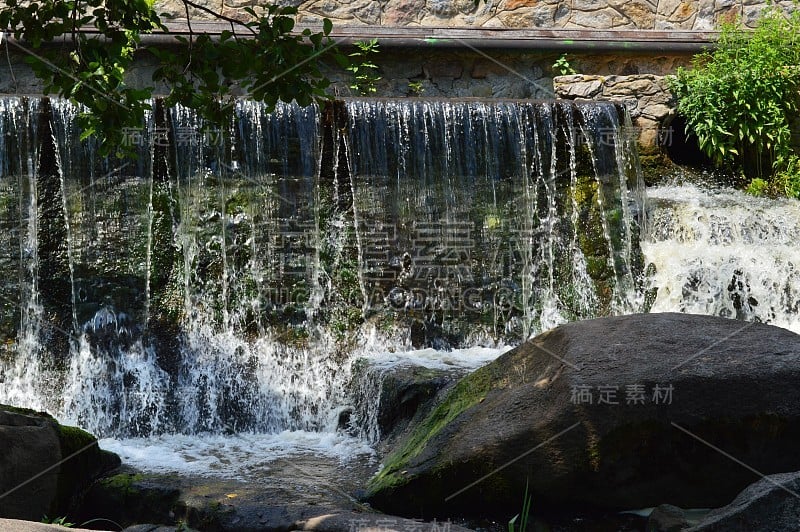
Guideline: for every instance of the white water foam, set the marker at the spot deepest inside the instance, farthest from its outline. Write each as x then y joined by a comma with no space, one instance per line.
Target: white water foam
724,253
233,457
469,358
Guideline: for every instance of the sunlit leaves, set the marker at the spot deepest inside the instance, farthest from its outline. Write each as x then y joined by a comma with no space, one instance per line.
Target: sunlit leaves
737,99
363,69
263,59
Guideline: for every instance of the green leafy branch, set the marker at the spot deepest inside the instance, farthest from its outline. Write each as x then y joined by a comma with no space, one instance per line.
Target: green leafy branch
264,58
363,69
60,521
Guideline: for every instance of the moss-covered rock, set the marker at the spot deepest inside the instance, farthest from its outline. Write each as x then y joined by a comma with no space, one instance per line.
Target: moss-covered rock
407,390
45,467
128,498
467,393
83,462
656,166
605,414
406,394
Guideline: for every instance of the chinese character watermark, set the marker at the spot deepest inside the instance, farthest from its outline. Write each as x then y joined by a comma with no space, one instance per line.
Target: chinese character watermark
181,136
634,394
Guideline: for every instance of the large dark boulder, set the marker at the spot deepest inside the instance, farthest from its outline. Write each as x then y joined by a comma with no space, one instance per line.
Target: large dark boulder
45,467
770,505
735,389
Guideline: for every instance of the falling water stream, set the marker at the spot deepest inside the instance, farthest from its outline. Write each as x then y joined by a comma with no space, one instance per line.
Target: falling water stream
212,294
724,253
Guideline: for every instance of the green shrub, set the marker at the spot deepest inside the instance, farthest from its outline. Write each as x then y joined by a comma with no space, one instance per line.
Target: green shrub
787,178
758,187
737,99
785,182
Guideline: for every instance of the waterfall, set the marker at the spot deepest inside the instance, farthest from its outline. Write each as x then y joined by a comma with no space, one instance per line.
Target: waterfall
500,219
25,379
226,279
724,253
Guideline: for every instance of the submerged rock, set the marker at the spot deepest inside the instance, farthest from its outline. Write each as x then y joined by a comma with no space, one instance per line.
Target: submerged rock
45,467
607,414
667,518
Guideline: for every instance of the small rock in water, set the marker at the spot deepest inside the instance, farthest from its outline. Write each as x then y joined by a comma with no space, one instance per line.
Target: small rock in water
667,518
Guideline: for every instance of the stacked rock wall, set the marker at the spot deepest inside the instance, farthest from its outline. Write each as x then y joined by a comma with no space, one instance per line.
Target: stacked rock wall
650,102
569,14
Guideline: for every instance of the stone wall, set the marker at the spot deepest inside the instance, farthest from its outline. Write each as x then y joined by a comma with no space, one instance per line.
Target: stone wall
463,73
650,102
440,73
570,14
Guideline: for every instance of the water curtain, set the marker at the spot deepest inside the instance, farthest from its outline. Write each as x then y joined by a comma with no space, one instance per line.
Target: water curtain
224,278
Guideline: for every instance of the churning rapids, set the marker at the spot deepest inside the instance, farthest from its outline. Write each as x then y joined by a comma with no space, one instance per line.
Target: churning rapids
227,294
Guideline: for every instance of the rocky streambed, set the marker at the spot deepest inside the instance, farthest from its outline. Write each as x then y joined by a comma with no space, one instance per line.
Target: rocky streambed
590,419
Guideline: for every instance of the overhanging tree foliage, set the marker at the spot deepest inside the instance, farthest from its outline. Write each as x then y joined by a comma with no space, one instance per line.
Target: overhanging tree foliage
82,49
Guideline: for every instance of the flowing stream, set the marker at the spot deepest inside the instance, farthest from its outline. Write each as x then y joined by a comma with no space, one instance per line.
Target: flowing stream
224,281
